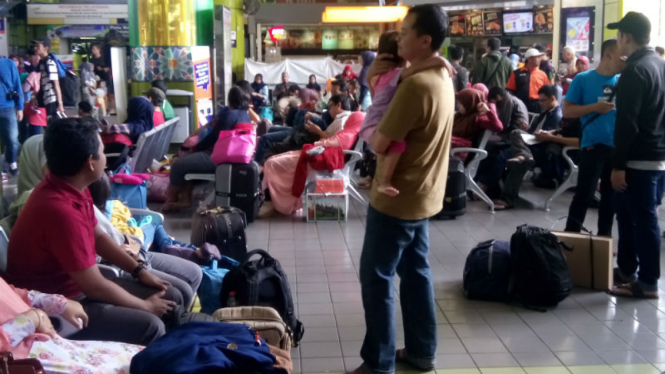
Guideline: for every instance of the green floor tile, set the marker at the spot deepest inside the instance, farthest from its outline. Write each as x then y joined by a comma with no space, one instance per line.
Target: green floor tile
591,369
502,371
547,370
635,369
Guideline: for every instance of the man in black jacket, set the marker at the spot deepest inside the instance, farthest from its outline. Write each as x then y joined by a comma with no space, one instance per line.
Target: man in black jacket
638,160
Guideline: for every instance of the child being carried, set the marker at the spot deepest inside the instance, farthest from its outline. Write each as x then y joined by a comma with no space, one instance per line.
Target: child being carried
384,76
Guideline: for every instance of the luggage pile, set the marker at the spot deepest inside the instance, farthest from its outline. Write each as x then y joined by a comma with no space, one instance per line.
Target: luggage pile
530,268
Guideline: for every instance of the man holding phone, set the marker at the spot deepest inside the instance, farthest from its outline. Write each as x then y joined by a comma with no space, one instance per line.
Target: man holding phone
591,98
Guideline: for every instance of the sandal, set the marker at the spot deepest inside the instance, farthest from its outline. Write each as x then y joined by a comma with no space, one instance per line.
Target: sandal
502,205
633,290
402,356
621,279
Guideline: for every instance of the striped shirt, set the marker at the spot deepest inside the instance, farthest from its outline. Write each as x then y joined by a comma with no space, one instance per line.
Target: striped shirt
49,72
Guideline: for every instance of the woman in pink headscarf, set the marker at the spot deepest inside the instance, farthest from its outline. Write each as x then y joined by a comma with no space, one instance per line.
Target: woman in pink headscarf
308,98
582,64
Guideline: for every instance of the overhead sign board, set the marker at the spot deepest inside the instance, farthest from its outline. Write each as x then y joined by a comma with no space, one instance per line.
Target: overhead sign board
76,14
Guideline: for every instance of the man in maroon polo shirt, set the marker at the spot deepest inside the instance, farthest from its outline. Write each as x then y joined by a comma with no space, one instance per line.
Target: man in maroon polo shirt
54,243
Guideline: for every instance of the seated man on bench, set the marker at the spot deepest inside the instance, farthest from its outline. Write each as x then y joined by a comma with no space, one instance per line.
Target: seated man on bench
56,239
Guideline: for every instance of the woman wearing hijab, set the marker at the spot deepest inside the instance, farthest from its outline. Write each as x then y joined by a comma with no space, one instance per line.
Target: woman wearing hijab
581,65
365,100
179,193
259,92
139,117
473,116
569,58
348,74
312,85
26,331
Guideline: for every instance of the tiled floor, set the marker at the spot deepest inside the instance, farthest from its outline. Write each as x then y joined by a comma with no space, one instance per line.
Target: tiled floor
588,333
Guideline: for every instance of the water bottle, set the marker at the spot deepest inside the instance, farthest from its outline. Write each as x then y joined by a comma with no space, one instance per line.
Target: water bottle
232,302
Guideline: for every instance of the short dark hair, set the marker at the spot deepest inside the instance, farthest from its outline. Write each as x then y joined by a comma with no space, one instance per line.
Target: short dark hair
433,21
607,45
245,86
85,107
69,143
345,100
343,87
238,98
31,51
495,92
388,45
494,44
293,89
540,48
660,50
456,52
548,91
98,45
353,83
160,84
100,191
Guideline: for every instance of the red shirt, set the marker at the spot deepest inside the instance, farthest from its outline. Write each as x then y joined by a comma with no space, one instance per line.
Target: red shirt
158,118
53,236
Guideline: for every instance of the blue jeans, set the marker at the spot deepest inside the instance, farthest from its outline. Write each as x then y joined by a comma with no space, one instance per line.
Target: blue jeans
9,133
276,134
156,238
397,246
639,232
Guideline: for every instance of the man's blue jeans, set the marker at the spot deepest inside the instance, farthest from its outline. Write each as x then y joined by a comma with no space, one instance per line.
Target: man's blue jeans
397,246
276,134
9,133
639,233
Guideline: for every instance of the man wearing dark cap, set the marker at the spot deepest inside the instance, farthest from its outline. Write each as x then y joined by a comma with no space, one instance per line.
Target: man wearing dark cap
638,160
50,95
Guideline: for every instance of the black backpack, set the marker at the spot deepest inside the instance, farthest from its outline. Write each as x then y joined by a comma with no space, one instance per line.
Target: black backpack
488,271
541,274
262,282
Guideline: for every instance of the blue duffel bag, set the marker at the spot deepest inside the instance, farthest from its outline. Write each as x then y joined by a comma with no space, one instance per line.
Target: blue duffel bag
132,195
488,271
211,283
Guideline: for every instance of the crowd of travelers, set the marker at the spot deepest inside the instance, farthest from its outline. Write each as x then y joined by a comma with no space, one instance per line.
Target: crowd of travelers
408,104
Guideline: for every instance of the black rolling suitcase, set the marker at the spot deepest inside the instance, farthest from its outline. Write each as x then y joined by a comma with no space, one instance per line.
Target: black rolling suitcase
238,186
223,227
454,202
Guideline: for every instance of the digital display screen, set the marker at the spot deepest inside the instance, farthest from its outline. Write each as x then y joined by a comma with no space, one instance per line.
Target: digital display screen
514,23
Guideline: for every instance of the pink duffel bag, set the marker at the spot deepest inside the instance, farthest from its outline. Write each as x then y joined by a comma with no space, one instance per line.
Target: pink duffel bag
235,146
157,187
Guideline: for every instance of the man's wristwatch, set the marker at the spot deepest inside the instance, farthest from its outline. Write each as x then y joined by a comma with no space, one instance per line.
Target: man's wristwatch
137,270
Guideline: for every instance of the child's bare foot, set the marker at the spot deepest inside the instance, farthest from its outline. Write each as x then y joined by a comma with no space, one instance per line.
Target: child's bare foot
519,158
388,190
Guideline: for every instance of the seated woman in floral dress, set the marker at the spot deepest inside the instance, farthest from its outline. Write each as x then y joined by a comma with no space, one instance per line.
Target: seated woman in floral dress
26,331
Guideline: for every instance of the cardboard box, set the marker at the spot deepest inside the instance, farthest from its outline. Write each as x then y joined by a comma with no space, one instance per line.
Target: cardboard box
326,207
580,258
